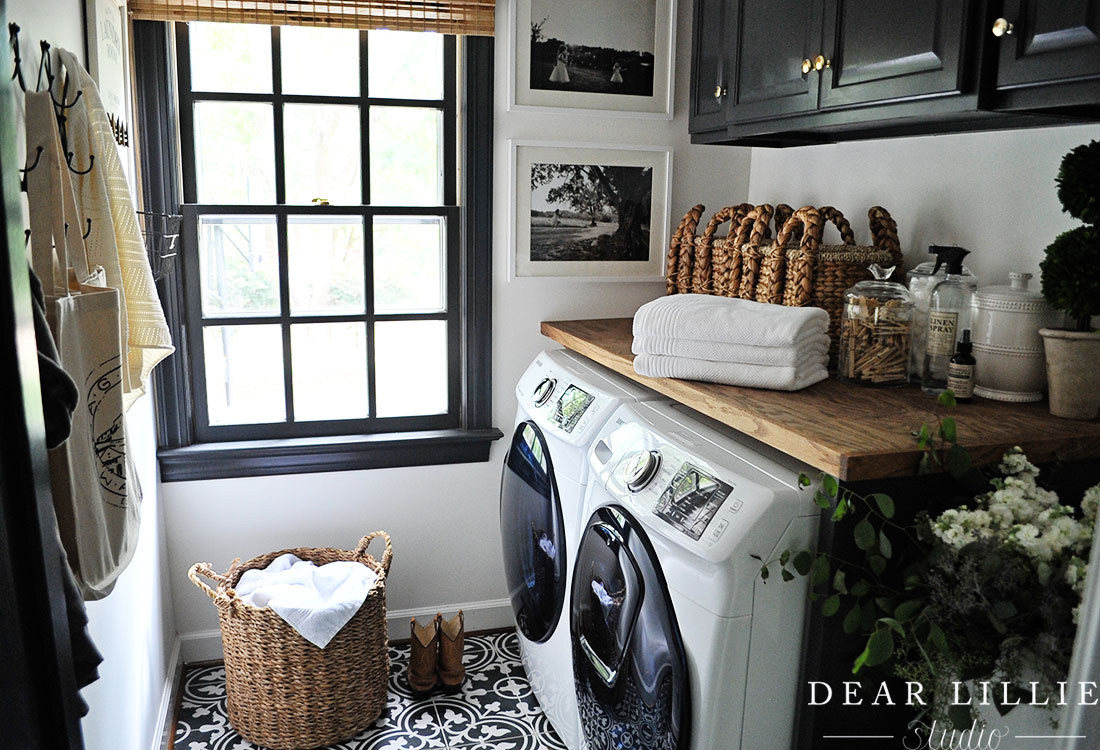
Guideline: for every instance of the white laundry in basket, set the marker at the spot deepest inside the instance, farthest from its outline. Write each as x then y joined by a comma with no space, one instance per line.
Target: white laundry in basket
317,601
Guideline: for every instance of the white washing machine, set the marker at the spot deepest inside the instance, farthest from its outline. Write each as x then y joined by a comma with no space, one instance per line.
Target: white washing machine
677,641
564,400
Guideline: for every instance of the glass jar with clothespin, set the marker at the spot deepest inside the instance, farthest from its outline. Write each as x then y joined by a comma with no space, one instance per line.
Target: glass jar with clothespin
874,332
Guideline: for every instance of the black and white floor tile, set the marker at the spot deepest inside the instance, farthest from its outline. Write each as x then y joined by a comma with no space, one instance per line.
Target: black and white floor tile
495,710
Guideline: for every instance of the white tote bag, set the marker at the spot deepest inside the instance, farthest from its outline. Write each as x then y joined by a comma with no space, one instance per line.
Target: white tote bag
94,489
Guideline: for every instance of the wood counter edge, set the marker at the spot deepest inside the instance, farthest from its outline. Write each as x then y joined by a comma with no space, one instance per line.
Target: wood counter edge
845,466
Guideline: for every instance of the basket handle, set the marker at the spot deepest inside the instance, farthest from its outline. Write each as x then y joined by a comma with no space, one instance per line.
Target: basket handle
732,214
884,233
837,219
754,225
800,270
783,212
810,221
686,265
219,597
673,257
387,555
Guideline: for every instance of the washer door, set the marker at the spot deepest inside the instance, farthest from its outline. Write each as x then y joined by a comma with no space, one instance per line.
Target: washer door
532,532
629,663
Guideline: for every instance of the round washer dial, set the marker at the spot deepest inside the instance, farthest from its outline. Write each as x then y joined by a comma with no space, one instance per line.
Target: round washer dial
543,391
641,468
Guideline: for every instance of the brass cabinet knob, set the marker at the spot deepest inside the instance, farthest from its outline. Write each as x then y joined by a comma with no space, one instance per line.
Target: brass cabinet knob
719,91
1001,27
821,62
807,66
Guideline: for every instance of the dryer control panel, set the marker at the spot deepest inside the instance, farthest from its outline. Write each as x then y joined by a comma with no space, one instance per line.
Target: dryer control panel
565,399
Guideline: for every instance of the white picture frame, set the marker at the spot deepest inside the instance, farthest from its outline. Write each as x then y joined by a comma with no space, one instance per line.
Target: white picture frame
108,44
591,242
627,31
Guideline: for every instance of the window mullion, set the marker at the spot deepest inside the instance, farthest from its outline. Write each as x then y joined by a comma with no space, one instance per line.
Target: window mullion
368,220
277,115
284,313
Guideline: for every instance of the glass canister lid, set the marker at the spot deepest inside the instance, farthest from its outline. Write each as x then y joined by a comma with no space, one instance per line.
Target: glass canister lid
879,287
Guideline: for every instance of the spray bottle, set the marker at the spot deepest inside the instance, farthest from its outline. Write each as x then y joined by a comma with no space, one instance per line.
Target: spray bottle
948,316
922,280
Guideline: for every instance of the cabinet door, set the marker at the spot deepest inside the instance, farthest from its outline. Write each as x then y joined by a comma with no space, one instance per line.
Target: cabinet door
709,75
1050,42
770,39
881,50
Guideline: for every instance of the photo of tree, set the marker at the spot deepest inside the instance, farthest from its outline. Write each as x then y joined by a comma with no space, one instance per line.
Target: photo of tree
590,212
571,53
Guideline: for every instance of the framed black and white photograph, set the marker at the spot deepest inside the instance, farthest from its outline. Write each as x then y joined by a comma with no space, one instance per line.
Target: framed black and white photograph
590,210
600,56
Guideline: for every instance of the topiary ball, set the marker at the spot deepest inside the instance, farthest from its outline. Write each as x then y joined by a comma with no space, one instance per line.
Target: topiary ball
1079,183
1070,280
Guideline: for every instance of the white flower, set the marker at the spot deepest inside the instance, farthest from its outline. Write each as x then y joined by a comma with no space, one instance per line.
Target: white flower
1090,502
1015,462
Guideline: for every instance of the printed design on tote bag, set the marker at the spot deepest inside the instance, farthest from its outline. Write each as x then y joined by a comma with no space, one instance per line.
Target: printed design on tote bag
110,441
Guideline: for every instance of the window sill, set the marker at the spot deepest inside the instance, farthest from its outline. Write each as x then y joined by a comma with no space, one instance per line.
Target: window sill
258,458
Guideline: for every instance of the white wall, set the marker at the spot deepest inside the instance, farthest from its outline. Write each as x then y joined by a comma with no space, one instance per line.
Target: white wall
132,627
993,193
444,519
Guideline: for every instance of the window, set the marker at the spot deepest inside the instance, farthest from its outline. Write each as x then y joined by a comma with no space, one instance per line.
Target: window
328,250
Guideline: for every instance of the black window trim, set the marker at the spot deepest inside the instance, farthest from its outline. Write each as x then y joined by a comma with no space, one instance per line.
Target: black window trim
181,456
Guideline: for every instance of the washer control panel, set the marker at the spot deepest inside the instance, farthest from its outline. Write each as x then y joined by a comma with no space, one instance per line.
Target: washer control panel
690,501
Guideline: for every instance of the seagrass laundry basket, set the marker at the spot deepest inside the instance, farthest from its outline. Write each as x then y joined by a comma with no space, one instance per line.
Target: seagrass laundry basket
284,692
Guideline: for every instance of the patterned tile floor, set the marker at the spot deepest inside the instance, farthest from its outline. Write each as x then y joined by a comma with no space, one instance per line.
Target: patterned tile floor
495,710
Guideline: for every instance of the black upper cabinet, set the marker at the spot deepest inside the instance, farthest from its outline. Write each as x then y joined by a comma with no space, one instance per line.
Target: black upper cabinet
809,71
882,50
709,67
1048,53
773,41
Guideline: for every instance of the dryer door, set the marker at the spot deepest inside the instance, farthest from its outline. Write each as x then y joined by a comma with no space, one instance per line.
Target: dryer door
629,663
533,534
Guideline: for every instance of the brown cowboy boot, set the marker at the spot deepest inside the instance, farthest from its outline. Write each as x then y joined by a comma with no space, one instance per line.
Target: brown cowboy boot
423,656
451,641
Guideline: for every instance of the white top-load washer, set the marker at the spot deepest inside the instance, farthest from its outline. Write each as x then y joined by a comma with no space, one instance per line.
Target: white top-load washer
563,400
677,641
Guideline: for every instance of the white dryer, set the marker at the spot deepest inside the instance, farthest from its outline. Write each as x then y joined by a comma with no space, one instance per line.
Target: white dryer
677,642
564,400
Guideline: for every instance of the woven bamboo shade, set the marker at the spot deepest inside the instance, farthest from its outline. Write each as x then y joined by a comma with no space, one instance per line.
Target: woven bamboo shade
474,17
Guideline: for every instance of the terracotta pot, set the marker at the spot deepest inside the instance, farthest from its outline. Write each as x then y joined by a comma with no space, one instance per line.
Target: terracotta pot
1073,372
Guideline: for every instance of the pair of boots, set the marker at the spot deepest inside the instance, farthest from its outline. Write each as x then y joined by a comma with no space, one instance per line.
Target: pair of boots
436,655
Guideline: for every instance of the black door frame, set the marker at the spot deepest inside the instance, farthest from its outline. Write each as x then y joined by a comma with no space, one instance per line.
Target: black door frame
38,692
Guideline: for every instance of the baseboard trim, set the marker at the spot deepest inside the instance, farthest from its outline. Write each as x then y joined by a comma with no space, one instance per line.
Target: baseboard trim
163,736
491,614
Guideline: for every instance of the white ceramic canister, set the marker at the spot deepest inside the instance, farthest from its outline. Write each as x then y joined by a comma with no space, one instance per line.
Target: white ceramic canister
1005,323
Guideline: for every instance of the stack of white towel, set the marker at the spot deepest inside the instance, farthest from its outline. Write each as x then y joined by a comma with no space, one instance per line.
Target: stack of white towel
731,341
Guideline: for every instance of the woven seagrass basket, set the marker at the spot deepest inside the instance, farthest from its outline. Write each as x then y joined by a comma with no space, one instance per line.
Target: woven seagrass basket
839,267
795,270
285,693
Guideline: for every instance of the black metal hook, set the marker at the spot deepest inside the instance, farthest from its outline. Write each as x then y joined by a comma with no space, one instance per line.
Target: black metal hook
89,231
74,170
47,66
25,170
43,64
26,237
17,74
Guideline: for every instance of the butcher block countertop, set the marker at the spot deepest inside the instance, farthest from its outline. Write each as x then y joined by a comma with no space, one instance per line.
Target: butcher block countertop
852,432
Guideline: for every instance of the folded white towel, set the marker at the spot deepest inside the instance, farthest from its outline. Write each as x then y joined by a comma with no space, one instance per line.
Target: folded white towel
317,601
809,350
704,317
751,376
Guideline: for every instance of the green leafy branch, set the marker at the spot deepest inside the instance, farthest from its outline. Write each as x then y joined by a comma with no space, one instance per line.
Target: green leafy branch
940,444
